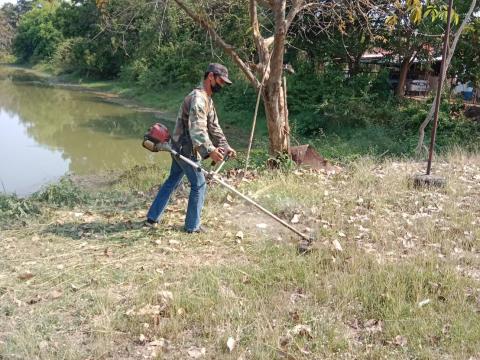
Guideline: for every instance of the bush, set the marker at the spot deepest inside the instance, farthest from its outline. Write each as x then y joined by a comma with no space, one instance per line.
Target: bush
37,34
64,193
65,59
330,101
170,63
12,207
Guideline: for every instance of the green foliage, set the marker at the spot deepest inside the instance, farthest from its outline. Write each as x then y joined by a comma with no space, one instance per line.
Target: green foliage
466,63
88,57
37,34
12,207
64,59
169,64
346,117
330,100
64,193
158,52
8,32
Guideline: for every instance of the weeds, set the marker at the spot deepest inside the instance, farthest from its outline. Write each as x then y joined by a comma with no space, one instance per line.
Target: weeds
401,280
12,207
64,193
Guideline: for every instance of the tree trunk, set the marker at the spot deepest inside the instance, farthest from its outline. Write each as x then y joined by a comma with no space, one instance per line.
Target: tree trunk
451,51
354,64
402,80
274,105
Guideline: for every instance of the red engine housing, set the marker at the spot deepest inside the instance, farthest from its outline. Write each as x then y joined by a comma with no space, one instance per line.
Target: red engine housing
158,133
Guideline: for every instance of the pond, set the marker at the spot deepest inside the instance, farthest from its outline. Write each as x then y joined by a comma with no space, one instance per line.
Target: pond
47,132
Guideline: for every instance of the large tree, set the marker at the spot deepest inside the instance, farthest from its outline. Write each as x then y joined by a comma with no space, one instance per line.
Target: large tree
8,32
270,22
466,63
413,32
473,6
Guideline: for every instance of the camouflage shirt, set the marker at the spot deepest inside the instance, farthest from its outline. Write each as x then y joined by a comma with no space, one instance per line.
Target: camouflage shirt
198,118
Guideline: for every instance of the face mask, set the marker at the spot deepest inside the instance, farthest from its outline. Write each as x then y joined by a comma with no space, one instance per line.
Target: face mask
216,88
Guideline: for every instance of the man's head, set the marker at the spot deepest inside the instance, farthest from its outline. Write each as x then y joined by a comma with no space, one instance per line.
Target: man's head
217,76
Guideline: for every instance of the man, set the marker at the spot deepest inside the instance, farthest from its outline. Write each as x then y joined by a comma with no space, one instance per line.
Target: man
197,135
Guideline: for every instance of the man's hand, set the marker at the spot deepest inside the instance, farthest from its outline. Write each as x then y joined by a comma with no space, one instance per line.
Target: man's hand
216,155
231,152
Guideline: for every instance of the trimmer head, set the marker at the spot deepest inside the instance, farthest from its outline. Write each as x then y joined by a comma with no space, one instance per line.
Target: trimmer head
304,246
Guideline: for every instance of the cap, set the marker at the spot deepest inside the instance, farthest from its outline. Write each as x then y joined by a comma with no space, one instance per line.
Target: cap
220,70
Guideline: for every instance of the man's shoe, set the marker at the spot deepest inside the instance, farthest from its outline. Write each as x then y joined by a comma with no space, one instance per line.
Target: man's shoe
199,230
150,224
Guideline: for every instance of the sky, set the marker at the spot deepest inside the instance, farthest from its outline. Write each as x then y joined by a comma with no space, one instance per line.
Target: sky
6,1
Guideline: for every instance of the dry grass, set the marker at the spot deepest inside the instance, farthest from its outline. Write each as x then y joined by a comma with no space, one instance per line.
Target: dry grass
395,272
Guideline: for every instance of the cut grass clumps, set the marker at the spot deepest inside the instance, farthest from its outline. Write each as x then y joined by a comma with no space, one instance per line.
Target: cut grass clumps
64,193
14,208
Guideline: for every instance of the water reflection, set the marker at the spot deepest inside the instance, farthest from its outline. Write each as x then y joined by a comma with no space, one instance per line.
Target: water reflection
46,132
24,164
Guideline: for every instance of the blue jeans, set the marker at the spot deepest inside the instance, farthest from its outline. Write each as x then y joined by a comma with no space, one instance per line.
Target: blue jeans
195,200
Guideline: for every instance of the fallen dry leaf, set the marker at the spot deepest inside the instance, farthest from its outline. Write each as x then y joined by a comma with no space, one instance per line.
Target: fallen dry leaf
26,275
19,303
423,302
148,310
373,326
165,296
231,343
239,235
283,341
302,330
336,245
196,353
160,342
34,300
400,340
55,294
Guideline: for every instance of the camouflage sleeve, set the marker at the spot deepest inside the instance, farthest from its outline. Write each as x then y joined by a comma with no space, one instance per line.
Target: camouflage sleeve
216,132
198,126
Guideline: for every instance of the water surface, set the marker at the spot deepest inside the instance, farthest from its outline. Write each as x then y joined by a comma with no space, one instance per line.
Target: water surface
47,132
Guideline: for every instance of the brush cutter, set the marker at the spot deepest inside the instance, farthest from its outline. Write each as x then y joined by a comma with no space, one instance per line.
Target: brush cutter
158,139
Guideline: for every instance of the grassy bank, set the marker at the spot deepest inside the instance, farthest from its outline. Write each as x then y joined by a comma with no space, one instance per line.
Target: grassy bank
358,117
393,274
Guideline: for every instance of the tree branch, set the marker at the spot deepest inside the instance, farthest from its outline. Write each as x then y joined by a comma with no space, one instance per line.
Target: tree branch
257,36
229,49
276,61
267,3
297,6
